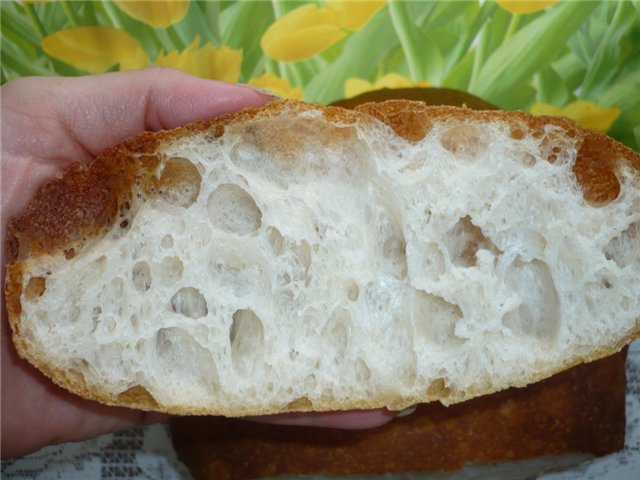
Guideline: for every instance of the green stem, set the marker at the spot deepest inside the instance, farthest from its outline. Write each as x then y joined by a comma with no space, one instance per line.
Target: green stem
68,11
175,38
278,11
402,25
111,14
35,20
90,14
294,74
277,8
22,65
513,26
595,65
480,55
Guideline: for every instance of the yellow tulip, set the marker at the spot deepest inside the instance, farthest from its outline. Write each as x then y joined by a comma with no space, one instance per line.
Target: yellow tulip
279,86
583,112
158,14
207,62
301,33
525,6
96,49
354,14
309,30
356,86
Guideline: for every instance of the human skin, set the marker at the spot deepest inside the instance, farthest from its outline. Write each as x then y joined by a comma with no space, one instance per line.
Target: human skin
49,123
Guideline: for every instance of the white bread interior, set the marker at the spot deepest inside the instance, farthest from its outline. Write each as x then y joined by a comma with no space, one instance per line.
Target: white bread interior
307,261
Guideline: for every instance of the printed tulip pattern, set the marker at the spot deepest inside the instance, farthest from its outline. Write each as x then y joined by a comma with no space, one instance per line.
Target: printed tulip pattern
550,57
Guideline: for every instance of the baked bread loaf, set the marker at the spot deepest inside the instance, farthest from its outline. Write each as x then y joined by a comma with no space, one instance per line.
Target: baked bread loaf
547,420
299,258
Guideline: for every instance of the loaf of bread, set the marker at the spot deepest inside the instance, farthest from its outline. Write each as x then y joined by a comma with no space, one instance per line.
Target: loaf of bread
546,421
299,258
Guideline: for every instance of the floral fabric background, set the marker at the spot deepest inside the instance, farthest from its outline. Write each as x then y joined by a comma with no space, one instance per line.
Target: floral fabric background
575,58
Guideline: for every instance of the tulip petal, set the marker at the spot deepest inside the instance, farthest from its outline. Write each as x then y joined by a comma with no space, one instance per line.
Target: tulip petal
96,49
279,86
545,109
525,6
356,86
591,115
585,113
207,62
158,14
303,44
354,14
301,34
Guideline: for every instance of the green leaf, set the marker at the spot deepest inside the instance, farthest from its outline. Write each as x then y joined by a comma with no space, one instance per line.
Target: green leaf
199,21
605,63
624,92
19,23
444,12
243,25
519,97
460,75
88,14
359,59
551,87
422,56
530,49
14,60
468,26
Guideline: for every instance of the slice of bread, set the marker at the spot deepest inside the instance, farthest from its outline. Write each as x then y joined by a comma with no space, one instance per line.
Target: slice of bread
299,258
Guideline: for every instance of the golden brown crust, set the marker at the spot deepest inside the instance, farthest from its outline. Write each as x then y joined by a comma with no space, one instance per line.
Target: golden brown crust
87,200
547,418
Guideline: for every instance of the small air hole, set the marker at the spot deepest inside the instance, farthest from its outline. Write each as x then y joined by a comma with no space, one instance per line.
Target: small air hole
188,301
35,288
141,276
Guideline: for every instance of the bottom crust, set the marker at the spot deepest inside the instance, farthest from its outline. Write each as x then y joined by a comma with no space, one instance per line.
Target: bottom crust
580,411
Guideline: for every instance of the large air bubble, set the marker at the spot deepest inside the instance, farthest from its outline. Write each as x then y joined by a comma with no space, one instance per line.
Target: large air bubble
247,340
233,210
538,312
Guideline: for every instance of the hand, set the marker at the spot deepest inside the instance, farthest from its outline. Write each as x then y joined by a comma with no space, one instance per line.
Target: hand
47,124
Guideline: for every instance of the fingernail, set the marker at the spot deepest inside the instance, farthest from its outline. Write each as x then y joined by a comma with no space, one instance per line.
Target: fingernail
406,411
261,91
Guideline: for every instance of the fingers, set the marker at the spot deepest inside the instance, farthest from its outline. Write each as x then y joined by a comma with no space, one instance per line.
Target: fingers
96,112
350,420
35,412
108,108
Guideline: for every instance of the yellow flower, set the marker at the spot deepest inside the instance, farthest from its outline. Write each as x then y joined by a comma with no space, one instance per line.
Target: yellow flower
356,86
354,14
277,85
301,33
525,6
309,30
583,112
158,14
206,62
96,49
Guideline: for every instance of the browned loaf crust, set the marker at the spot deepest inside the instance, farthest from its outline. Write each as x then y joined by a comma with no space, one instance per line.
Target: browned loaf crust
544,419
88,200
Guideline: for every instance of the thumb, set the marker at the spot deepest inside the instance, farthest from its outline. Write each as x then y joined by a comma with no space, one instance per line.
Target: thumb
105,109
77,118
